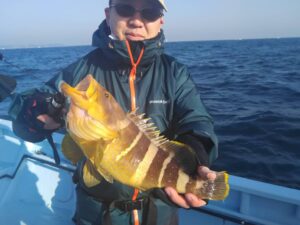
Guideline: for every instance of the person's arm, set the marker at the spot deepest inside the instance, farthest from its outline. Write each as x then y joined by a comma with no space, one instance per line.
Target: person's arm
193,126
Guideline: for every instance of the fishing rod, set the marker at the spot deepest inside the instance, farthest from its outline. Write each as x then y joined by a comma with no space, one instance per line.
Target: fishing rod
50,104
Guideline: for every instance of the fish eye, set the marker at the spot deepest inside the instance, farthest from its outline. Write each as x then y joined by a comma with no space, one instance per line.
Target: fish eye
106,94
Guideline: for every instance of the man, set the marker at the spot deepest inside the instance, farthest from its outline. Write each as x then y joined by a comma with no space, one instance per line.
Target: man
129,62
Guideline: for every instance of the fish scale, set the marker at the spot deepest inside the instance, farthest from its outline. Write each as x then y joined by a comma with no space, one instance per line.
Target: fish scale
127,147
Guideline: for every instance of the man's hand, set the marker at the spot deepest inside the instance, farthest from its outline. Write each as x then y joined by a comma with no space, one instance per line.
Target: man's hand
190,200
50,123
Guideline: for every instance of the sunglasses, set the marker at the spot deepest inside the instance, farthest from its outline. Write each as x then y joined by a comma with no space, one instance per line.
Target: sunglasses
149,14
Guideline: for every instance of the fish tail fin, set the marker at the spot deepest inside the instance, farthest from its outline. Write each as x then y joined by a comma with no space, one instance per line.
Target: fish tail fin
217,189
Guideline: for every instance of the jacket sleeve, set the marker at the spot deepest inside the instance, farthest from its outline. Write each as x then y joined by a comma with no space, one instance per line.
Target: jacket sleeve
191,122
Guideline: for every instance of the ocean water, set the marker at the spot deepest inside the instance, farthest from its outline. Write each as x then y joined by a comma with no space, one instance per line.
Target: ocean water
250,87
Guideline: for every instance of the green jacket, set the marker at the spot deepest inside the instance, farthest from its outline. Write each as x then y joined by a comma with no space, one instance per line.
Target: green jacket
165,92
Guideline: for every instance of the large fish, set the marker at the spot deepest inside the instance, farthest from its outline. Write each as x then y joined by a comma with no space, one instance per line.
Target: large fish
127,147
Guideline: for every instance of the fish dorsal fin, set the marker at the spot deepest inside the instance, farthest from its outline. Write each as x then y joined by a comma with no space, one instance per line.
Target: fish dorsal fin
91,177
152,132
149,129
183,153
71,150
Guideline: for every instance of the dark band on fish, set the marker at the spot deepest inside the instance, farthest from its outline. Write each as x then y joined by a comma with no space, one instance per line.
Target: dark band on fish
156,167
129,133
137,153
171,174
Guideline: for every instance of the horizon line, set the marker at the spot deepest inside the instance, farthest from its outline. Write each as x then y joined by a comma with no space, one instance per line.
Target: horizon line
32,46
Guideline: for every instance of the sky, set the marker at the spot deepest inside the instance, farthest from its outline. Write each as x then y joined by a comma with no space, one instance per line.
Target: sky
72,22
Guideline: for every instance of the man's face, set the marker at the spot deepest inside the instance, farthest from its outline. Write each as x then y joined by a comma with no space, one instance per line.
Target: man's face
135,27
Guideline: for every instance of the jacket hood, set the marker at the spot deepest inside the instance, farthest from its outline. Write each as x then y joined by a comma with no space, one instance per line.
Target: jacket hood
116,50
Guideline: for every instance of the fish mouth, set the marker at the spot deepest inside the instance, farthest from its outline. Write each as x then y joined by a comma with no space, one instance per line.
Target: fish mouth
86,116
78,91
68,90
82,94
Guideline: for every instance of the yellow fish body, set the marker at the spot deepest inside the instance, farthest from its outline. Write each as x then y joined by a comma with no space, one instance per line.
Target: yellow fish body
126,147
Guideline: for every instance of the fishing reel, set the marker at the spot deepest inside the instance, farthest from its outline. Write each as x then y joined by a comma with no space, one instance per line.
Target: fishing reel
28,127
55,105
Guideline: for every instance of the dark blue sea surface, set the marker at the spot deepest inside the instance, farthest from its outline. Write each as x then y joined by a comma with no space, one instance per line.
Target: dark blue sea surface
250,87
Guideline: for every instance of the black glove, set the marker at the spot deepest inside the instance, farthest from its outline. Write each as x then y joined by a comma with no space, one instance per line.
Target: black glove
27,126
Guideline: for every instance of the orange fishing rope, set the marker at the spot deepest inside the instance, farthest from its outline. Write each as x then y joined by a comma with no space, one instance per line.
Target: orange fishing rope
132,74
132,77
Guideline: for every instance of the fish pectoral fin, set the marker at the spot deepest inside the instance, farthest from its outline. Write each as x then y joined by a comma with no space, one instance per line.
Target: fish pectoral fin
91,177
105,175
71,150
